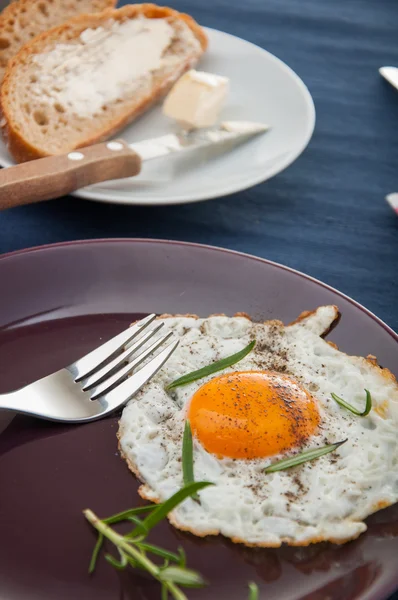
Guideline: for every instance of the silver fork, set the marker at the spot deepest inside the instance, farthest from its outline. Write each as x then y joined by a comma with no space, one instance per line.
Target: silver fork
98,383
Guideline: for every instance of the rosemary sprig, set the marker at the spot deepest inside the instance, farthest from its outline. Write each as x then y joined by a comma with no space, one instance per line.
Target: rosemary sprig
187,458
219,365
355,411
253,591
133,550
298,459
169,577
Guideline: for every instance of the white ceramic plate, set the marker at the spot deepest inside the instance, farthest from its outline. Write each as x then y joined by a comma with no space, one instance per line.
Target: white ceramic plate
263,89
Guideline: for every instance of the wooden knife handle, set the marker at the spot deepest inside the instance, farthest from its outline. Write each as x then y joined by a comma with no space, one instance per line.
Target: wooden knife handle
55,176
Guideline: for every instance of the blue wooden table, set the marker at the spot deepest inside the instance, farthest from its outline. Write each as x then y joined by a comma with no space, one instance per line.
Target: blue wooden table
326,215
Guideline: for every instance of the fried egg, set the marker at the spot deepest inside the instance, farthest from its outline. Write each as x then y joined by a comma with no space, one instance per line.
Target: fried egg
273,404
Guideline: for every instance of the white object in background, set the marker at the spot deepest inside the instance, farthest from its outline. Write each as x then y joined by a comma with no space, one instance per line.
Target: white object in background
390,74
392,200
196,99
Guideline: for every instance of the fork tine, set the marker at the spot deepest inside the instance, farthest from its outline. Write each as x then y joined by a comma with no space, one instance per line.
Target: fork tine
90,362
115,379
106,371
125,390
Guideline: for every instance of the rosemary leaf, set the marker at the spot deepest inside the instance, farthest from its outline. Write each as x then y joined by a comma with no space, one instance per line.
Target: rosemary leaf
158,551
181,557
298,459
124,516
351,408
140,528
96,551
119,565
162,510
184,577
187,458
253,591
219,365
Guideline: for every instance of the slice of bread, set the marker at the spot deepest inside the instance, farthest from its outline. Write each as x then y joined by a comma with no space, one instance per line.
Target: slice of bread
80,83
22,20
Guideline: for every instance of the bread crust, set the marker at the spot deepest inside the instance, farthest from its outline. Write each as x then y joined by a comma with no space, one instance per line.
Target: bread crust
20,148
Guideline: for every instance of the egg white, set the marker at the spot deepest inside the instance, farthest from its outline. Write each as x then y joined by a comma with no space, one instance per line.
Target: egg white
325,499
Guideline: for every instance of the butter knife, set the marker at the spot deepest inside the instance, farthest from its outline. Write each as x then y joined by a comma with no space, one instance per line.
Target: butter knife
55,176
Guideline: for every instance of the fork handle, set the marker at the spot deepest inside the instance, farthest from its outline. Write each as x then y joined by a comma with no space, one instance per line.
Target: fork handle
55,176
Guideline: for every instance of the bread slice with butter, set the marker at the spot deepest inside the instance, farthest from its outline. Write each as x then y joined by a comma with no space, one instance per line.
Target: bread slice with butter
82,82
22,20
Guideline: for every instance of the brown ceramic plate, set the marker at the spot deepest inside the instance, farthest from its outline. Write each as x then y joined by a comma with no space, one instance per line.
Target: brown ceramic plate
57,303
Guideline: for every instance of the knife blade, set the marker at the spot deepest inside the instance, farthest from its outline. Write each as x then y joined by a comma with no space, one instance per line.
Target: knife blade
225,137
171,143
55,176
390,74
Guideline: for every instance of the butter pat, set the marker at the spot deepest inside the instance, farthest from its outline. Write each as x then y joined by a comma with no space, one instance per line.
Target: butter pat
196,99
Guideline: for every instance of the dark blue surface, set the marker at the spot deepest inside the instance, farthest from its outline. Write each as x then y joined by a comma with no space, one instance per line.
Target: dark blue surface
326,215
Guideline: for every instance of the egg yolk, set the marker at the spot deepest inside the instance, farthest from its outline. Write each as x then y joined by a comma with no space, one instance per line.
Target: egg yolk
252,414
